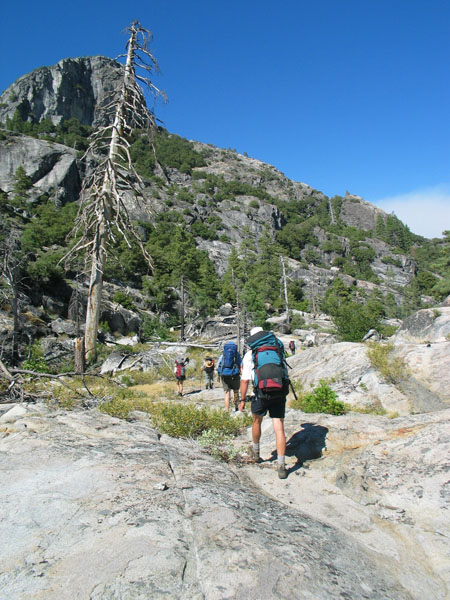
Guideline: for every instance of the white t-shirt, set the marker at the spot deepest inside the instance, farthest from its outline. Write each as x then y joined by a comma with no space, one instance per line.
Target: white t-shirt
248,366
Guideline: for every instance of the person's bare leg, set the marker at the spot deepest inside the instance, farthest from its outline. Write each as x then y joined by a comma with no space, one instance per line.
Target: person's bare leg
227,401
256,428
256,436
280,436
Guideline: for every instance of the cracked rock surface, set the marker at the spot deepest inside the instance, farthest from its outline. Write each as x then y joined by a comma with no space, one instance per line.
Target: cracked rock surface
97,508
384,483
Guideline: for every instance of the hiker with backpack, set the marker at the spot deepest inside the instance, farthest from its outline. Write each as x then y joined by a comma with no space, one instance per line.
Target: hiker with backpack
265,366
180,372
292,347
229,369
208,369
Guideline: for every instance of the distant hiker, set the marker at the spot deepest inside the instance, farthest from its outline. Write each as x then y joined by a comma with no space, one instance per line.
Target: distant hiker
265,366
292,347
208,368
180,372
228,369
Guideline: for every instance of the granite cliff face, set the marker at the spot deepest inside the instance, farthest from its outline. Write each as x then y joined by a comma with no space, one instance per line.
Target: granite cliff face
73,88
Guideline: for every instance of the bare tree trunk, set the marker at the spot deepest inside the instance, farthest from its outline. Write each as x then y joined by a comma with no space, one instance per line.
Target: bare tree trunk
105,214
15,311
238,318
103,211
182,309
332,218
79,356
95,295
286,299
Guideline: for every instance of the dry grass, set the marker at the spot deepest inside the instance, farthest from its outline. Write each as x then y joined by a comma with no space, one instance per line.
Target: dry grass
156,390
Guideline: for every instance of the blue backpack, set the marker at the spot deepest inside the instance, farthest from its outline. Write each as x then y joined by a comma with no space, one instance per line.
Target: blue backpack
271,380
230,362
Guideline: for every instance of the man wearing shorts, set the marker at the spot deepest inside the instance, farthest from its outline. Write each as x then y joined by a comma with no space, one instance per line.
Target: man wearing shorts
276,409
230,377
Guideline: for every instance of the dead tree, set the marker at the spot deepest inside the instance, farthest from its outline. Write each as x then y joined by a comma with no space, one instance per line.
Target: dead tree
103,212
286,299
10,275
182,309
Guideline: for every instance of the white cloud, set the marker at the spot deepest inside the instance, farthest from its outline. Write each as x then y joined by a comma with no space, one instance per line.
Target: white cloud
426,211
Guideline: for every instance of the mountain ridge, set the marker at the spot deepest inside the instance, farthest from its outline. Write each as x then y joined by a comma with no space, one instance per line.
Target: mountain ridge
231,204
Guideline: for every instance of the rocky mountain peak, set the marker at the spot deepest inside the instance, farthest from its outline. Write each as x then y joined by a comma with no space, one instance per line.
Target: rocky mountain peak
73,88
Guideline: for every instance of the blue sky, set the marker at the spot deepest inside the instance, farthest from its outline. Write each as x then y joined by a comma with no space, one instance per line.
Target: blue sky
340,94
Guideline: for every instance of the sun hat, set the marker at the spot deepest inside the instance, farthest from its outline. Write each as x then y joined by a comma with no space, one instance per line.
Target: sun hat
255,330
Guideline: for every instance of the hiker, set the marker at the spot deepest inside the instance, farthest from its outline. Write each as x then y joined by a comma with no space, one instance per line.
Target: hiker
180,372
228,369
292,347
208,368
268,374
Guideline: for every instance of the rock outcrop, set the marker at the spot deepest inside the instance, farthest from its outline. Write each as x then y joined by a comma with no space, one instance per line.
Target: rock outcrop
73,88
51,167
93,507
420,380
384,482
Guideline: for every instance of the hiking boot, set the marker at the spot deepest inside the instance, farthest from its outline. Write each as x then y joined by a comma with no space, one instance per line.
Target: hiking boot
253,455
282,473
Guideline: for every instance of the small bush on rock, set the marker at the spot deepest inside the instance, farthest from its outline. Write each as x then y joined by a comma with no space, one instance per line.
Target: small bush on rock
218,444
391,369
187,421
321,400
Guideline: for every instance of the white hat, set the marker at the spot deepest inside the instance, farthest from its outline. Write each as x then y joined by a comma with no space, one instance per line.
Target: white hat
255,330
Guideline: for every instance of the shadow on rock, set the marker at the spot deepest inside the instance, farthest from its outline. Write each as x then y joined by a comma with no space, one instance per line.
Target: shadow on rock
306,444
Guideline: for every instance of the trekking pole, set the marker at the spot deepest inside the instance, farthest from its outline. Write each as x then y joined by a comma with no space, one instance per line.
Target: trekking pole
293,391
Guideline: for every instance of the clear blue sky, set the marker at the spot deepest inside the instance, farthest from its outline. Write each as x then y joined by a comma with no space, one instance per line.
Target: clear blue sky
340,94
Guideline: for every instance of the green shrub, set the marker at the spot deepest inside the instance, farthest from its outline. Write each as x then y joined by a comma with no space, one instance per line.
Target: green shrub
152,327
37,364
122,403
321,400
391,369
35,361
124,299
187,421
297,322
218,444
176,420
104,326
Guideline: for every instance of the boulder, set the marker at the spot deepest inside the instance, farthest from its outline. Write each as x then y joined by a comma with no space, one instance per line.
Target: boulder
51,167
225,310
429,325
66,327
120,319
346,366
372,335
128,341
142,361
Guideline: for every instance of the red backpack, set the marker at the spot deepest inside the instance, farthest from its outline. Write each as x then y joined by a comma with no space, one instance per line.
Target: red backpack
181,369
